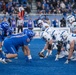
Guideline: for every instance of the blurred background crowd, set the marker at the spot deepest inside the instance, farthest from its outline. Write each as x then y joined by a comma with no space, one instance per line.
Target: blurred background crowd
42,6
56,6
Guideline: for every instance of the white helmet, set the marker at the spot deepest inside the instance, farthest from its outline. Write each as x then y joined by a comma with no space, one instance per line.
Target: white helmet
49,30
70,18
40,21
64,34
74,24
55,32
45,35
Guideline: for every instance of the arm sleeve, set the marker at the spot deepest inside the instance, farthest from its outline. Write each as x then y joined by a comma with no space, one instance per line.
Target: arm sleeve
27,41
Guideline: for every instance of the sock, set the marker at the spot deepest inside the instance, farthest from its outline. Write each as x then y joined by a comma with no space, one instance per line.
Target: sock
29,57
42,51
50,53
57,56
2,55
46,54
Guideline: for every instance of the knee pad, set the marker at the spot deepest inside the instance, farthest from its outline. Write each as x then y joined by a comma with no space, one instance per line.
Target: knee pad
50,46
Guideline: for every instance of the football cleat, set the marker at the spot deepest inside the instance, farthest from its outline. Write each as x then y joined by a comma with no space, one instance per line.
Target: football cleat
66,62
74,59
8,60
57,56
41,55
3,61
61,56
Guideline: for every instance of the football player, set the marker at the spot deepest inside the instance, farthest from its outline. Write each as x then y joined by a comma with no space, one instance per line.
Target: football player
18,41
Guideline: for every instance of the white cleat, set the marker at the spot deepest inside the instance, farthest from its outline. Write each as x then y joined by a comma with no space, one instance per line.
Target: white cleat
8,60
74,59
41,58
0,59
3,61
61,56
66,62
50,53
57,56
56,59
45,56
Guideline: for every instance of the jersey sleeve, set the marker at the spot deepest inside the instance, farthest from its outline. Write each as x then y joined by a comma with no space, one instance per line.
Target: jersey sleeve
27,41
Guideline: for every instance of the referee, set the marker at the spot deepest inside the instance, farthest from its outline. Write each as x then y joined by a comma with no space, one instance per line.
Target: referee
20,23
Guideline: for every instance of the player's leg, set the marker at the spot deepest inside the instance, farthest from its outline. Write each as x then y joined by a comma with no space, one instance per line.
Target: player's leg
12,53
42,51
2,54
59,48
27,53
73,58
72,44
49,51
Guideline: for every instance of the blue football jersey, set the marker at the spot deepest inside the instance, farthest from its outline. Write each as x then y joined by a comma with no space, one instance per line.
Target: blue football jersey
17,40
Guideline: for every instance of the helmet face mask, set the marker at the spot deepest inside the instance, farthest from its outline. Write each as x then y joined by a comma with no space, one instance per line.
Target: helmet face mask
64,37
40,21
29,33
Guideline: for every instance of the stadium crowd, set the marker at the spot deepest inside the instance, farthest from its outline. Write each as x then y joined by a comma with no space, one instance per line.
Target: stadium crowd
43,6
12,6
56,6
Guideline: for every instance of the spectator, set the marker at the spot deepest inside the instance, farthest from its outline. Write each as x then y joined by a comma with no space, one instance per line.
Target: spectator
28,9
13,24
30,3
30,24
21,12
62,5
48,21
63,22
20,24
39,7
3,6
55,23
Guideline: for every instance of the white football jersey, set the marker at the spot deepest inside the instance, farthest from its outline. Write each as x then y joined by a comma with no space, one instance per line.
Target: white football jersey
49,30
46,36
54,33
44,25
71,37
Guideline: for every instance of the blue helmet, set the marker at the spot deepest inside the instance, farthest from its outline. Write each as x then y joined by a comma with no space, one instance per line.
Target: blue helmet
25,31
4,25
29,33
10,31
